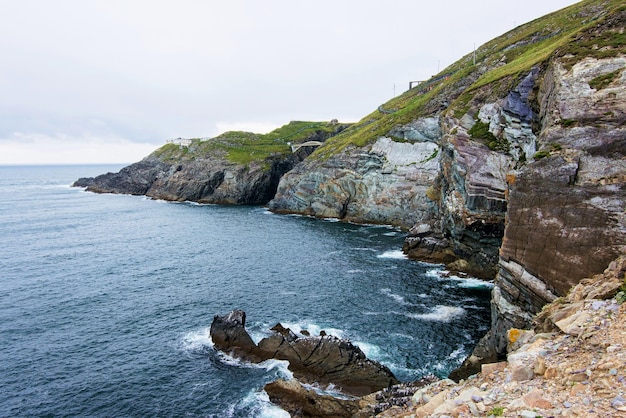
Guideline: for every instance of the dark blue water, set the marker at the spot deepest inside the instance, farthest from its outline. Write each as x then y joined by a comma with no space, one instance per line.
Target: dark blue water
106,300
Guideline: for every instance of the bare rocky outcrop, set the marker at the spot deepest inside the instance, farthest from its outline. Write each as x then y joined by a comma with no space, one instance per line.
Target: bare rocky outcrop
385,182
320,359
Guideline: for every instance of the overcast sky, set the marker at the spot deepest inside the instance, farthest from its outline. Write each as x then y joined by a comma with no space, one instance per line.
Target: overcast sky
89,81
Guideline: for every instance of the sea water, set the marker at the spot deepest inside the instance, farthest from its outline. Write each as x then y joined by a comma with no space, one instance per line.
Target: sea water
106,300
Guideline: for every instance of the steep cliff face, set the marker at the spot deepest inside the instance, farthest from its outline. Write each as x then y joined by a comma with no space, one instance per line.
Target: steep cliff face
565,207
203,180
566,218
385,182
530,184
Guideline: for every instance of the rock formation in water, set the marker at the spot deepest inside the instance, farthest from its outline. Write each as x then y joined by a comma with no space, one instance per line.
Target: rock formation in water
320,359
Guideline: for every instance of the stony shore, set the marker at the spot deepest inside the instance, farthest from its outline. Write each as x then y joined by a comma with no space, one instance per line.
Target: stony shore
572,364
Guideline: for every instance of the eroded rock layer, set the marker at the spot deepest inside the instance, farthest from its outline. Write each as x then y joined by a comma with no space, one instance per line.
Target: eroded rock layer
322,359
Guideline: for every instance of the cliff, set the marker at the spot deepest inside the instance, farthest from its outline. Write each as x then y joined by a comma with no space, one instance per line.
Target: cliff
512,168
233,168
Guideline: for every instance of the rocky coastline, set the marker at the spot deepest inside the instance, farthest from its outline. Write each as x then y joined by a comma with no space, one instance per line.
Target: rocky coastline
511,169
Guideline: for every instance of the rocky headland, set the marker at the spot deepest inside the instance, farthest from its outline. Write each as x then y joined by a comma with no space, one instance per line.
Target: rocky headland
509,165
234,168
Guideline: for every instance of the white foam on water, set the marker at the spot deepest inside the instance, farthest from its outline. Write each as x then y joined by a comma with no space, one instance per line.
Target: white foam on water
192,203
197,341
466,282
457,354
371,351
260,406
434,273
440,313
391,234
331,219
393,254
472,283
399,299
330,390
280,366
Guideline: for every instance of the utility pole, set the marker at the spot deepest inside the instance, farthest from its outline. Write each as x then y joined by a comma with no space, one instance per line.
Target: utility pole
394,89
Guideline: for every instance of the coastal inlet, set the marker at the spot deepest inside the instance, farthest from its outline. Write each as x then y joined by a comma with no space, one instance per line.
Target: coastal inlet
107,299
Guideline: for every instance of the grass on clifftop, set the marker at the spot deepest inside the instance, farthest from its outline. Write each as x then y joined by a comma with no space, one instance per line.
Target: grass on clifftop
245,147
500,63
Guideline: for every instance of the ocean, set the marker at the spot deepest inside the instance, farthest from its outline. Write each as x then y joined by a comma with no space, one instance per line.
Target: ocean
106,300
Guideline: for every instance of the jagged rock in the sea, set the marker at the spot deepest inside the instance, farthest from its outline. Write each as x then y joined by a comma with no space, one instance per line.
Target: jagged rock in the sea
385,182
229,334
320,359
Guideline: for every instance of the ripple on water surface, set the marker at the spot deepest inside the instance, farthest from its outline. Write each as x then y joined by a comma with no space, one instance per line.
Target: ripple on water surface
107,299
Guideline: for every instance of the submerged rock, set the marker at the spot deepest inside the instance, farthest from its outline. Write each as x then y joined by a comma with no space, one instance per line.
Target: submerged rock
321,359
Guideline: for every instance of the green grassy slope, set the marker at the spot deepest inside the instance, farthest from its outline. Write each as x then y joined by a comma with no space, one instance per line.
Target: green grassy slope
245,147
500,64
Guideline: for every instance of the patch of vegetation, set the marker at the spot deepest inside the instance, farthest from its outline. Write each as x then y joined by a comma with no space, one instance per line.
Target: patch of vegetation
602,81
541,154
431,156
480,130
595,44
247,147
496,411
568,122
562,33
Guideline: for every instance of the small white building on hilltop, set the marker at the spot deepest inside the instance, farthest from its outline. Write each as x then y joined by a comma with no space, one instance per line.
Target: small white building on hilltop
180,141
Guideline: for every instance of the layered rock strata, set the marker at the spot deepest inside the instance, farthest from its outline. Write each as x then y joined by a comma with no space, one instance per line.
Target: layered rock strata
320,359
202,180
385,182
